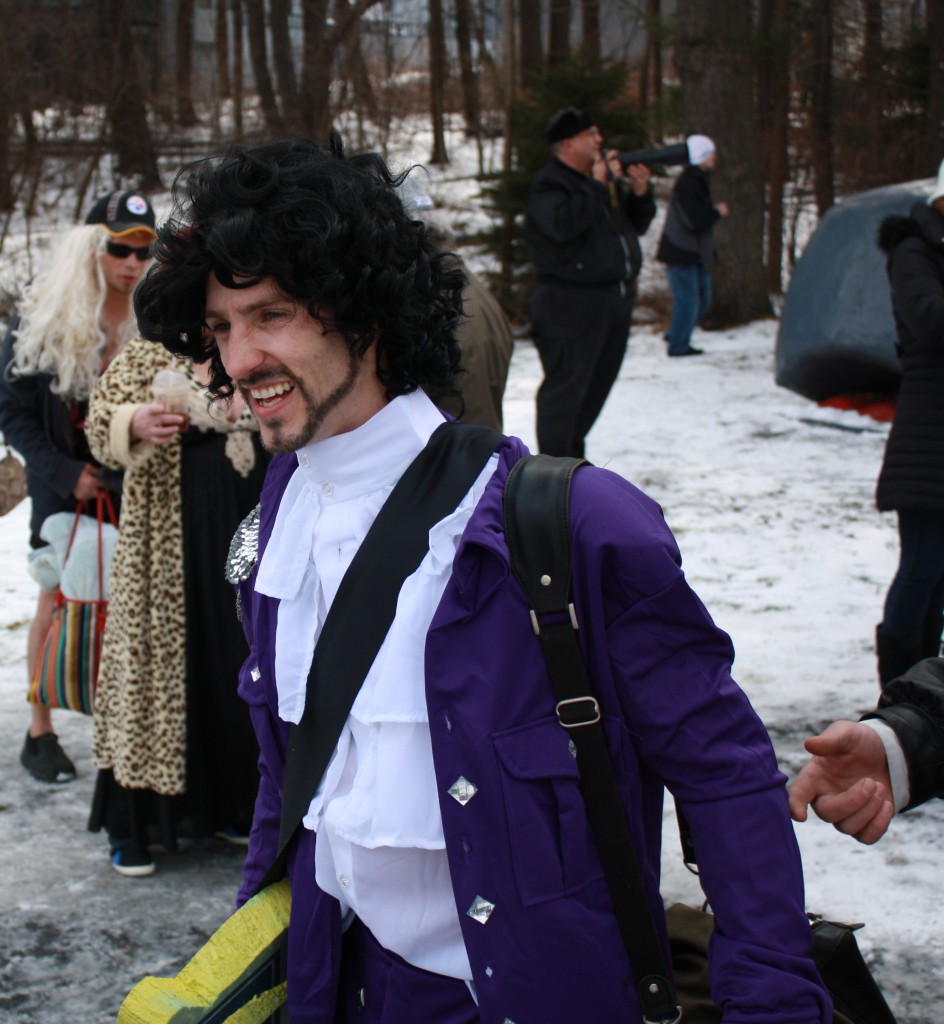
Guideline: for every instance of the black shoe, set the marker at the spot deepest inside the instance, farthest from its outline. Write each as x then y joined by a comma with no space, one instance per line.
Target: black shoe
45,760
690,351
131,860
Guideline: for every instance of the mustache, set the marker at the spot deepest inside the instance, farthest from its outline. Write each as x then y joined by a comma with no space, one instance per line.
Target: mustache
262,377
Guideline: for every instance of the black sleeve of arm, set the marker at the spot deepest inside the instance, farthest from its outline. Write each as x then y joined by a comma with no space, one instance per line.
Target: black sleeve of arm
640,210
696,205
913,705
22,425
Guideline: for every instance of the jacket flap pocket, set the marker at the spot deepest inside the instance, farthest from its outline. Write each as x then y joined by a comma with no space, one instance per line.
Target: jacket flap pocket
539,750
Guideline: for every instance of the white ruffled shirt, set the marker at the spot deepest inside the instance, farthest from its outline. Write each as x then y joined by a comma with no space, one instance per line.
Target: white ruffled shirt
380,850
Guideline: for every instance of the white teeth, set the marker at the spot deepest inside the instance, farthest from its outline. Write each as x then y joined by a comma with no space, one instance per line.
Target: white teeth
262,394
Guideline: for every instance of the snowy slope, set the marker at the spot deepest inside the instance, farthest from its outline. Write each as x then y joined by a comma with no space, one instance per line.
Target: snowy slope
780,538
771,500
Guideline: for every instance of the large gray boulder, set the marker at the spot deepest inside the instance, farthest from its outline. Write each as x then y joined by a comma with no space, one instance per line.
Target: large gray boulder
836,334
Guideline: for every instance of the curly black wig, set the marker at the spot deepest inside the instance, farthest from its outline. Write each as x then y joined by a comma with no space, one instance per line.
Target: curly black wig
331,230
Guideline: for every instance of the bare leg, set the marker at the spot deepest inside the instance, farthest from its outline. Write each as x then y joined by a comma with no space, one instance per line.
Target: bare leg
41,755
42,717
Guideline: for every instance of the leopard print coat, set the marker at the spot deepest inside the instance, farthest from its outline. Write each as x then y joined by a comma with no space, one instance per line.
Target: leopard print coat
140,705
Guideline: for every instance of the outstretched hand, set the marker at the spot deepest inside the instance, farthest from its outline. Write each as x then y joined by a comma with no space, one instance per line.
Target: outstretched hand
846,782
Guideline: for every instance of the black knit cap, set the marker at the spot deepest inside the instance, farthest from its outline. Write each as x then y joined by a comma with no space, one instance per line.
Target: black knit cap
564,124
120,213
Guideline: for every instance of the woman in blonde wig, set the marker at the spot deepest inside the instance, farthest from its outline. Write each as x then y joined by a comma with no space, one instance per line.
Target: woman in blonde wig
74,318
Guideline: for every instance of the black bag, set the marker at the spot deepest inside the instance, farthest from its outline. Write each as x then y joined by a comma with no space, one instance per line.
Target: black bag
537,530
856,997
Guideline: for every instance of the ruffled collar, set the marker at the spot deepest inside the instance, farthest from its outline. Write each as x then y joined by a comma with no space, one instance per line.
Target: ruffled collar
374,455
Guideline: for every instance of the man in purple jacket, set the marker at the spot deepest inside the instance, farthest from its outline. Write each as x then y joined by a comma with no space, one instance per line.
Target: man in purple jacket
444,871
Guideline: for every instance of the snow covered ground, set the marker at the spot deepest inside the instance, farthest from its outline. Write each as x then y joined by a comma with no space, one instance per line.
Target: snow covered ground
771,501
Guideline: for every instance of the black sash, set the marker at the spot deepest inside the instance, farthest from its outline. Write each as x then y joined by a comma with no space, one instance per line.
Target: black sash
361,613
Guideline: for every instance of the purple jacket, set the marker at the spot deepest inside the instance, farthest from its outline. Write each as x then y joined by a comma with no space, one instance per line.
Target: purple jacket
550,951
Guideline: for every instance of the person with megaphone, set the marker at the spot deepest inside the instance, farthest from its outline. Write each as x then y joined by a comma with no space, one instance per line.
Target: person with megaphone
585,213
687,245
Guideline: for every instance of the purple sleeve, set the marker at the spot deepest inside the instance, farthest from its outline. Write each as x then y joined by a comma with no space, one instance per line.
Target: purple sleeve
667,666
264,835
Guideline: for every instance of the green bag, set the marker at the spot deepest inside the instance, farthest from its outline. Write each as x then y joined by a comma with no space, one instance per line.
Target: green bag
856,997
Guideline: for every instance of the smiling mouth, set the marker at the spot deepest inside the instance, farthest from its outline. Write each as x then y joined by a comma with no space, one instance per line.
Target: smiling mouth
269,395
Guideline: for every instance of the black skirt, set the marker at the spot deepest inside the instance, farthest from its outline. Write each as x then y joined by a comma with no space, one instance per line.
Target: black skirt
221,773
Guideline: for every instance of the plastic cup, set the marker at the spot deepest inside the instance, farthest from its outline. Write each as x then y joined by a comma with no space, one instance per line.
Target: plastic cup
172,389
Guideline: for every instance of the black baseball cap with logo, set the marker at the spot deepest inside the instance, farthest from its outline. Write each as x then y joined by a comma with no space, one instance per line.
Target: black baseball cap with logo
120,213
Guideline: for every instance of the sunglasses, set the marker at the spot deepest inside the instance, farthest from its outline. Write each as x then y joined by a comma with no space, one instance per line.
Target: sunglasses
122,252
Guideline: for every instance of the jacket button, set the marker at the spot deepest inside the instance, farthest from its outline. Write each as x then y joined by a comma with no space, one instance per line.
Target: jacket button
481,909
462,790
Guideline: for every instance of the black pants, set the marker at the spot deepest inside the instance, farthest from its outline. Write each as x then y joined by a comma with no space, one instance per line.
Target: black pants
581,333
915,601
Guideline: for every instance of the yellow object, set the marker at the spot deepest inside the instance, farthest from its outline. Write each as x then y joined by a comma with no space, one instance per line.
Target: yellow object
236,977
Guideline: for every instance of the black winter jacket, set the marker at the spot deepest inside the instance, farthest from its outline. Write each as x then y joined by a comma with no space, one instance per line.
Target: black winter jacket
913,705
38,424
686,238
582,231
912,475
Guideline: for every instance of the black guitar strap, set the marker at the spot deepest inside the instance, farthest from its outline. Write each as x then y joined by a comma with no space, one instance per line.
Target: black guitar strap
537,531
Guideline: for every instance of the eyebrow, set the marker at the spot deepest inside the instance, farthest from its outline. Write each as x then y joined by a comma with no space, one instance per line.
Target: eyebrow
271,300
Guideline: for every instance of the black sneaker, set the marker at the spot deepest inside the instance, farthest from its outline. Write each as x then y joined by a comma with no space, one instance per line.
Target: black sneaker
45,760
690,351
131,860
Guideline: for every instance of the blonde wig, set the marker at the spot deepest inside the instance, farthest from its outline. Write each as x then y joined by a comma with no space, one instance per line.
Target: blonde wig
60,330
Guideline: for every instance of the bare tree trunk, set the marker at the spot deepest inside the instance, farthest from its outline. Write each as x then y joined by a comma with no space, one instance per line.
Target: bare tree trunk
774,110
558,47
282,60
485,54
316,70
718,100
821,102
590,18
6,174
652,69
531,60
505,273
238,68
437,81
126,113
364,95
186,115
319,48
470,89
221,42
934,135
7,76
356,70
258,55
872,77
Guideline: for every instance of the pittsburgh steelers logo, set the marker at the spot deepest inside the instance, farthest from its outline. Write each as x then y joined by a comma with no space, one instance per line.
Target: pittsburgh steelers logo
137,205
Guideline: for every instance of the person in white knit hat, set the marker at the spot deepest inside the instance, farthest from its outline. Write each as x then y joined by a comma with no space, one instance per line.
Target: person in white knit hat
687,244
